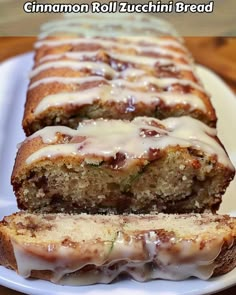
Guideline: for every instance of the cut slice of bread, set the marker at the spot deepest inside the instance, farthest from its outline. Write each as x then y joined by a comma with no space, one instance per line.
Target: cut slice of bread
88,249
176,165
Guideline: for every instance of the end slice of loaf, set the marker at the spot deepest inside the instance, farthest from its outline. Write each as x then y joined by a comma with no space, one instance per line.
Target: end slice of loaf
174,166
88,249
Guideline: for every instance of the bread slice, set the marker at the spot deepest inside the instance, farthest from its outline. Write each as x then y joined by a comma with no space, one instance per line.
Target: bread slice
88,249
82,72
174,166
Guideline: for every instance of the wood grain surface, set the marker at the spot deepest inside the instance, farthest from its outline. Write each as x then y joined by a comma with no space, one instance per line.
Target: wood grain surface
217,53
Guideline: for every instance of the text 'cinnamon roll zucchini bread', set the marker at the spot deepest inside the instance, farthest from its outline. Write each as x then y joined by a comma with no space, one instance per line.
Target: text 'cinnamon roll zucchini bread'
117,68
176,165
87,249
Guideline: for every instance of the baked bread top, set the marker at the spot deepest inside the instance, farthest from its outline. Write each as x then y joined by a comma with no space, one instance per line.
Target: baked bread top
142,138
83,72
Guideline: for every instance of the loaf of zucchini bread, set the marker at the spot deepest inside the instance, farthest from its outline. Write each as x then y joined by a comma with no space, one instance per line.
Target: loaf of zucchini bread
176,165
87,249
117,68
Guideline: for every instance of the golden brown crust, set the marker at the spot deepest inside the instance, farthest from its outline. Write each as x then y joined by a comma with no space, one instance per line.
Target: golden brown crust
226,260
7,257
26,149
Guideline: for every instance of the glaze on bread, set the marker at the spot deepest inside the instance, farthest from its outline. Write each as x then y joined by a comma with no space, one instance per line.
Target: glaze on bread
81,72
118,124
176,165
88,249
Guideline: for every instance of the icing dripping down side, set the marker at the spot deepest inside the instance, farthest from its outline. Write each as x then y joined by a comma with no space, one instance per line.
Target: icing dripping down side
139,270
143,254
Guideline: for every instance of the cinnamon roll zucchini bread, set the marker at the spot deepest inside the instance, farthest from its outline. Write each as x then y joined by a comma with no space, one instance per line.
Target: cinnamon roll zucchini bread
176,165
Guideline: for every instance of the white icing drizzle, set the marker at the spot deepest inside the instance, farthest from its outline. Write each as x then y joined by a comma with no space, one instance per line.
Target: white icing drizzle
49,135
95,67
131,252
111,45
150,61
106,138
101,67
153,44
131,73
72,55
159,82
142,81
105,93
66,80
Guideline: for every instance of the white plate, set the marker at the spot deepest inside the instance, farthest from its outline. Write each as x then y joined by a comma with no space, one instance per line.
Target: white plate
13,77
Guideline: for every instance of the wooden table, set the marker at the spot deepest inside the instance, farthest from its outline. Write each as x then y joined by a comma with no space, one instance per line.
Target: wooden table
217,53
